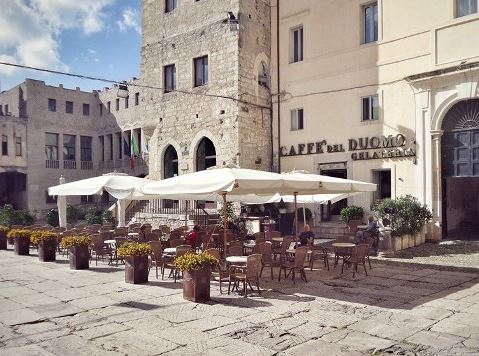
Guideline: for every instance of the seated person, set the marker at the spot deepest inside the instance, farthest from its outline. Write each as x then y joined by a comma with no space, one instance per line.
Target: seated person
306,237
371,230
193,236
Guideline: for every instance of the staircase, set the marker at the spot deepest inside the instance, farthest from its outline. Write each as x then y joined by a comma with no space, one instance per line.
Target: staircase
330,229
169,212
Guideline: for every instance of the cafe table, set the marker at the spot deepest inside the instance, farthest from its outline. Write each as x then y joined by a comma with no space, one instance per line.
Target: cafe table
237,259
342,249
171,251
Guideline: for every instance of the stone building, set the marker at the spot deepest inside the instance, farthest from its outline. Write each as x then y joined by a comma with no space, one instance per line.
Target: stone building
383,91
203,99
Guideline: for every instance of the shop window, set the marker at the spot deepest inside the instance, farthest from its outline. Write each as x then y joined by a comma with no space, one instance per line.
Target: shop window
297,119
370,108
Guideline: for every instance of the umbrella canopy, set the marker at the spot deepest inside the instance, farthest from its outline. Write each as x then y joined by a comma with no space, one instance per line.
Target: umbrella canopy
120,186
252,199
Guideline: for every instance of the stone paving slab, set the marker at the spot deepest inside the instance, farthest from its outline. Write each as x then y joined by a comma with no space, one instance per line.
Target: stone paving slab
46,309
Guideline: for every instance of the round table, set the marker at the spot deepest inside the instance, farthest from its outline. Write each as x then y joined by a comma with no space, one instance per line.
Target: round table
133,234
277,239
170,250
237,259
362,227
110,242
293,251
343,244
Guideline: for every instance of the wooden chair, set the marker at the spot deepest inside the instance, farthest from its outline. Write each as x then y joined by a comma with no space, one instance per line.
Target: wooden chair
341,252
358,256
170,264
176,243
235,250
118,242
106,235
318,253
218,272
284,246
120,231
296,265
267,260
157,255
246,275
99,248
370,242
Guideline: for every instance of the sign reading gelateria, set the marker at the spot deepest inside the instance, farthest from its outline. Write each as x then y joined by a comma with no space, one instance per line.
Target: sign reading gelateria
384,146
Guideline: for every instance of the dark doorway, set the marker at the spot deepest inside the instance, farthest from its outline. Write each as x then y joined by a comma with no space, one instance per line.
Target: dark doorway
205,155
334,209
460,171
13,189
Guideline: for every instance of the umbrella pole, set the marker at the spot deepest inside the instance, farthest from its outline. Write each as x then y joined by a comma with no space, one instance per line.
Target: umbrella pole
304,215
225,219
186,215
296,214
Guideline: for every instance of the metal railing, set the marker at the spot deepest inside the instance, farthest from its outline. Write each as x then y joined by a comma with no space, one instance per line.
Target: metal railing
49,163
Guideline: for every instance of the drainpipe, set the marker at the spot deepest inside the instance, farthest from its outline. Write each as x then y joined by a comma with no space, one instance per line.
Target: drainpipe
279,86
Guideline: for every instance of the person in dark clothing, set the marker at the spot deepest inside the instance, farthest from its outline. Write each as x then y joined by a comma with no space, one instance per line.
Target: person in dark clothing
306,237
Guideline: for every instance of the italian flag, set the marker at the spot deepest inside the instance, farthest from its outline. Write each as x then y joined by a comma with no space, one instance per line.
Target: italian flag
135,151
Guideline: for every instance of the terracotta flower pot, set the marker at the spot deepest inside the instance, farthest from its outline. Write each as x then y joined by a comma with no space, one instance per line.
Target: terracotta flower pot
79,257
3,240
46,250
136,269
22,246
196,285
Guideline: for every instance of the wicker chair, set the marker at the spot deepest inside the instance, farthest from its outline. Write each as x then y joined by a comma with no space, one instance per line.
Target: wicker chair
176,242
106,235
267,260
120,231
218,272
340,252
296,265
235,250
247,274
358,256
170,263
370,241
157,256
284,246
99,248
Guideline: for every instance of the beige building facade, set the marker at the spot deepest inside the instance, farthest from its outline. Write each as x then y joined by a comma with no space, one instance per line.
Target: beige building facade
382,91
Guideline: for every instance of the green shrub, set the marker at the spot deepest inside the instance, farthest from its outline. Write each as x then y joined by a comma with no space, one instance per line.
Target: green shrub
229,212
52,218
10,216
409,215
94,216
107,217
73,215
352,212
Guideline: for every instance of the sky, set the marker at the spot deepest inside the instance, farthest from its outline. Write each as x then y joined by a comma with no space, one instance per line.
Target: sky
98,38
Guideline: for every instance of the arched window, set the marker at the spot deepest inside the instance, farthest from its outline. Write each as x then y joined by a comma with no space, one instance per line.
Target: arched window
205,155
170,163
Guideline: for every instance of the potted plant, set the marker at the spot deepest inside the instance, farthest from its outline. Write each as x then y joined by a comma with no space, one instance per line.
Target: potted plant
407,218
21,238
79,255
197,275
352,215
136,261
47,244
3,237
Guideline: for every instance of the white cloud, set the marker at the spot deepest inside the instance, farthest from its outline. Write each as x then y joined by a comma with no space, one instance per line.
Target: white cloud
30,29
130,18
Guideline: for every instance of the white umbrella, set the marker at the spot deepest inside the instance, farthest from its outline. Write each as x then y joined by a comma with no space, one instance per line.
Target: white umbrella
234,184
121,186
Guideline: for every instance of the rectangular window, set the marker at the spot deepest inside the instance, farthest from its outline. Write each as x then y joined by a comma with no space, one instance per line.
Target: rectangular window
52,105
297,47
201,71
69,147
87,198
127,99
110,141
1,110
86,148
297,119
170,5
49,199
370,22
137,99
86,109
466,7
102,147
51,146
6,109
101,109
370,108
169,78
383,180
120,145
108,107
18,145
69,107
117,104
4,145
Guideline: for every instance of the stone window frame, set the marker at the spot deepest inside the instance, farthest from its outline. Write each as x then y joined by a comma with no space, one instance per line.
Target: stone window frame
86,109
195,85
52,105
67,103
175,77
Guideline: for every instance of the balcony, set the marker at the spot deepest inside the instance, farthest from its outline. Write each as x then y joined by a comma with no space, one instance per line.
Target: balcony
86,165
49,163
69,164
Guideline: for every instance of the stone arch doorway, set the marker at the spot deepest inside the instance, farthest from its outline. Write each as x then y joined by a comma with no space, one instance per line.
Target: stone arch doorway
460,170
205,154
170,162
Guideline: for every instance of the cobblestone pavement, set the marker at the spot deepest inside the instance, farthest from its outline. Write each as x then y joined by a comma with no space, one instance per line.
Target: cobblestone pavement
451,253
46,308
